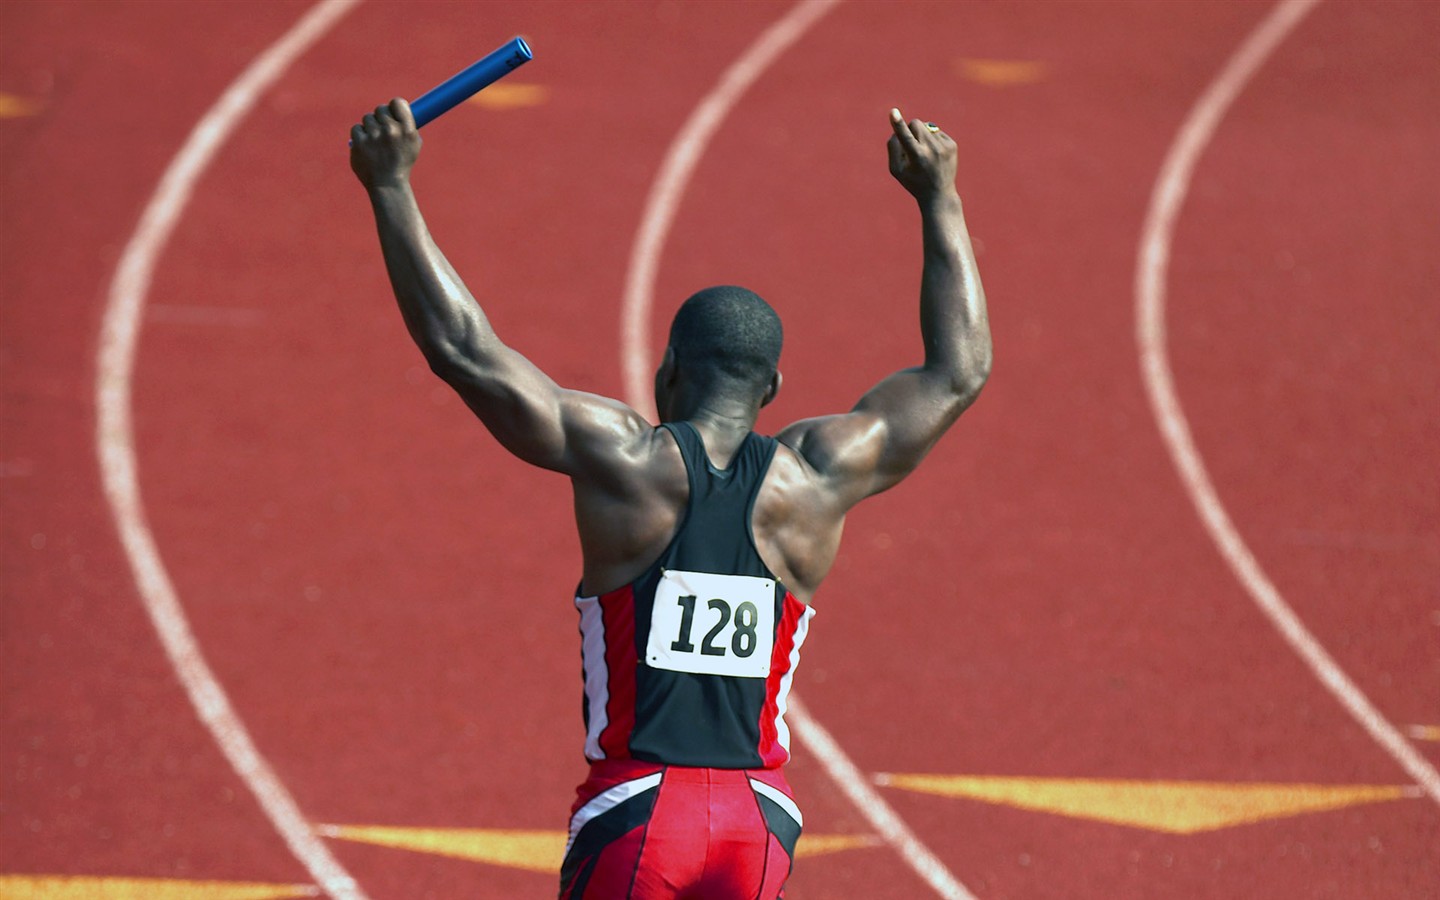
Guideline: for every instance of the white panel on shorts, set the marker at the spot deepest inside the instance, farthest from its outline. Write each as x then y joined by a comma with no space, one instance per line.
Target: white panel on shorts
712,624
608,800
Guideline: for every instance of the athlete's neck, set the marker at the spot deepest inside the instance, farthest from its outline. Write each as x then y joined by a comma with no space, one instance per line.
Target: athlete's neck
722,434
722,422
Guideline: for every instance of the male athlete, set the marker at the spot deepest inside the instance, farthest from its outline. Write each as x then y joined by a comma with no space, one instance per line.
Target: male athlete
703,542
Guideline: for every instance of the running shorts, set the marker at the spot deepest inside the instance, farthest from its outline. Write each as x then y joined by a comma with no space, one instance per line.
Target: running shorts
643,831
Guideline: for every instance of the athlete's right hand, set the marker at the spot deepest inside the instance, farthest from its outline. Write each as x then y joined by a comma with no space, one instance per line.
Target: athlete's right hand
384,145
922,158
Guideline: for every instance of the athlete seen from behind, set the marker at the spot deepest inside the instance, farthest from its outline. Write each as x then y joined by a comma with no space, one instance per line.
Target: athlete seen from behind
703,542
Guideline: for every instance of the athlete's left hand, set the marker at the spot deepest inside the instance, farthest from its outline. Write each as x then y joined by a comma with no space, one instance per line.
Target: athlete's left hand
922,157
385,145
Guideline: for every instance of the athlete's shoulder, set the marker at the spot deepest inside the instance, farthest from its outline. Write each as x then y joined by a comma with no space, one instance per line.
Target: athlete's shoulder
832,445
611,440
793,480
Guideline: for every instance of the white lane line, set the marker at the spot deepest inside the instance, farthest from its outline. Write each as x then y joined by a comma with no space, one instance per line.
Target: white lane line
857,788
1166,200
660,208
665,194
115,444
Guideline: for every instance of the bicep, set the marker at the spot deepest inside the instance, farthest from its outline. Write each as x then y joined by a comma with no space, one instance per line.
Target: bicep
874,446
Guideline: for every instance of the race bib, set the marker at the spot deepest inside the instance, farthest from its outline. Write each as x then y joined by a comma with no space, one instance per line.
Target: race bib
712,624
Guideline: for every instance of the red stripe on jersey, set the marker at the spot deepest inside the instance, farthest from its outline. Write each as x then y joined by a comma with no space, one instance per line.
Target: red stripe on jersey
617,610
772,752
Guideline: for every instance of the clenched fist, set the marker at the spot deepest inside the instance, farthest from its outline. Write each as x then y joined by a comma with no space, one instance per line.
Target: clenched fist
385,145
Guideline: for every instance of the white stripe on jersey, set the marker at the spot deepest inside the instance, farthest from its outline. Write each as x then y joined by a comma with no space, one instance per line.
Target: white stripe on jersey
782,694
609,800
597,675
782,801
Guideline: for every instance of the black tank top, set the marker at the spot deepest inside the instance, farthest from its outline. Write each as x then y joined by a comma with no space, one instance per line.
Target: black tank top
714,636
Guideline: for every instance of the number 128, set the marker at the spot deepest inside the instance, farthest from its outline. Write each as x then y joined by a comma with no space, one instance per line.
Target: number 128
742,643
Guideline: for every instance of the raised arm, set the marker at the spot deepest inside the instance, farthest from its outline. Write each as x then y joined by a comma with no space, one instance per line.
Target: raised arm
896,423
527,412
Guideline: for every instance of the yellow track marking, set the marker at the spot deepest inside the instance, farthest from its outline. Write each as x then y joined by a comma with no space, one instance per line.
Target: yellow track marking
821,844
75,887
1001,72
511,96
1178,807
1424,732
13,107
534,851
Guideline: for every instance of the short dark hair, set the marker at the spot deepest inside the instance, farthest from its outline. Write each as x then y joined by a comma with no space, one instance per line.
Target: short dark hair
727,334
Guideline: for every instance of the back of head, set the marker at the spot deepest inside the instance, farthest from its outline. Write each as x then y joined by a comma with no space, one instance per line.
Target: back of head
727,338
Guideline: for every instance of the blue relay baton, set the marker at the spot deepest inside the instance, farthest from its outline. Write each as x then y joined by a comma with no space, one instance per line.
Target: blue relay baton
480,74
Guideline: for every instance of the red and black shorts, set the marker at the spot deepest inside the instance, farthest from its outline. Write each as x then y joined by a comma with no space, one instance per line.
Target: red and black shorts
642,831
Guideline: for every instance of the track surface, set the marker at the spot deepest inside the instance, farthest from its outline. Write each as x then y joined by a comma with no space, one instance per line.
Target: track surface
384,595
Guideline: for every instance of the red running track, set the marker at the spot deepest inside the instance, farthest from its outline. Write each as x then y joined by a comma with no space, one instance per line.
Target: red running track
384,595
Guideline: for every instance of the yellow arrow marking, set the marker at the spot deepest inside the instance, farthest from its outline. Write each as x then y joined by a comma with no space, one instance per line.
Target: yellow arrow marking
508,95
1178,807
534,851
13,107
1424,732
1001,72
71,887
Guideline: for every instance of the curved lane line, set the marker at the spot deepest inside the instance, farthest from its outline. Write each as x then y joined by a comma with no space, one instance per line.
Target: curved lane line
665,194
660,208
1166,201
882,817
115,444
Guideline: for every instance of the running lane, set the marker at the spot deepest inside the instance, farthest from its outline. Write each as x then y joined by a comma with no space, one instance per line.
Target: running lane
104,769
1303,342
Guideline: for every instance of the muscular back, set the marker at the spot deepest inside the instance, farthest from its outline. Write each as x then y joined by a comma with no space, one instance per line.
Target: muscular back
626,522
